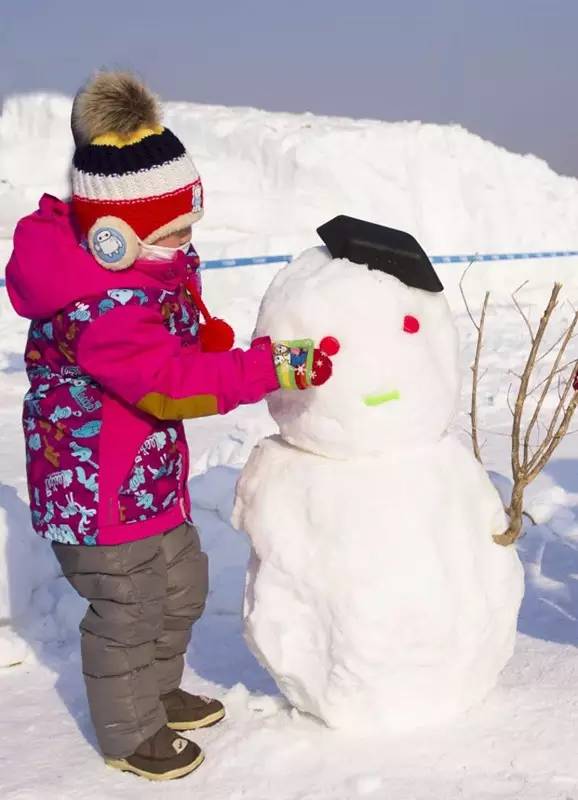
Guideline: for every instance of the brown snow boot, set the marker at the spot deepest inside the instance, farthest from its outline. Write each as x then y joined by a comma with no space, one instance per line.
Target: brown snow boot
186,712
163,757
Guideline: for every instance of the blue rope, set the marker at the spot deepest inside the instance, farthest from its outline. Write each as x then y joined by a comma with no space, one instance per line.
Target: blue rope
501,257
464,259
227,263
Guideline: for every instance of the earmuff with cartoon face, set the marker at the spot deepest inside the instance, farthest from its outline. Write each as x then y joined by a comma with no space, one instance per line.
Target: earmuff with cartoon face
113,243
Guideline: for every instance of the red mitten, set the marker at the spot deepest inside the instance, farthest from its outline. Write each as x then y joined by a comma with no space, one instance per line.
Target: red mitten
322,368
300,365
322,364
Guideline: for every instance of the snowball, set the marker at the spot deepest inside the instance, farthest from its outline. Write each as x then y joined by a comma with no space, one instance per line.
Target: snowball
365,310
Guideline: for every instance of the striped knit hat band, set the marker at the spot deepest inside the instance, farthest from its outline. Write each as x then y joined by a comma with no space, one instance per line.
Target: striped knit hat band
132,180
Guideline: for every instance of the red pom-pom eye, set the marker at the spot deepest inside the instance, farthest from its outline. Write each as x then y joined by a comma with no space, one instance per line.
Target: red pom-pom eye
410,324
330,346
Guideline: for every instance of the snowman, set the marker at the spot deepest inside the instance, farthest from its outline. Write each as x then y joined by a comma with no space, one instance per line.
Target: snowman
375,593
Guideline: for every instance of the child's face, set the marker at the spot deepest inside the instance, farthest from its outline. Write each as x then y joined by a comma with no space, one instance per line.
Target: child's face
176,239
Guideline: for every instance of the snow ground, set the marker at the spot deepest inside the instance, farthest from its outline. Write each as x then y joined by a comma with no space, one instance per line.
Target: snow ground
521,742
518,744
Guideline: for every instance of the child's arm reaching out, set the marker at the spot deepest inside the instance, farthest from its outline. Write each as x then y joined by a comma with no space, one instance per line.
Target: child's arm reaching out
132,355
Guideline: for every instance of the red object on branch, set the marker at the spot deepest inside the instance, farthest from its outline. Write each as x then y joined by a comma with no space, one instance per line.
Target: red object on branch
216,335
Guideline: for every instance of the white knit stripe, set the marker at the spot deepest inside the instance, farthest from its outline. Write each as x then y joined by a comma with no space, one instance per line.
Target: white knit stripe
147,183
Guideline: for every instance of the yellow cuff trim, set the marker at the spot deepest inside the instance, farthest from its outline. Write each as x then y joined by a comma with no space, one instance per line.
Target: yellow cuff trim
115,140
168,408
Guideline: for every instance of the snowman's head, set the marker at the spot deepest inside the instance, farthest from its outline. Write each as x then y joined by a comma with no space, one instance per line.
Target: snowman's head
395,379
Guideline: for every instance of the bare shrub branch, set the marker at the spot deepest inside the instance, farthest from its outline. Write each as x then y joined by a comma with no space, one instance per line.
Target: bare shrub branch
547,383
464,298
532,442
476,380
526,374
520,311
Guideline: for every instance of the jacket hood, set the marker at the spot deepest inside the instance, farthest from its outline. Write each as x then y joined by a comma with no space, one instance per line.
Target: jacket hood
49,268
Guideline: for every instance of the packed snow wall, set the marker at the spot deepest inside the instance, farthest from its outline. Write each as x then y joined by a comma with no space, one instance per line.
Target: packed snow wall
272,178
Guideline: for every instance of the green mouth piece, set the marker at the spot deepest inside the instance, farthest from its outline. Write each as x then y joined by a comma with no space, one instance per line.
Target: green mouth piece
380,399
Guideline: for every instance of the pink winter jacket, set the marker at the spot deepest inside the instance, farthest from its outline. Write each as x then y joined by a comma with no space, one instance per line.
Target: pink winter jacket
114,366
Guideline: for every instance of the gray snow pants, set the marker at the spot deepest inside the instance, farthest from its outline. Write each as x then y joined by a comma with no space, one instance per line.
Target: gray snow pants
144,598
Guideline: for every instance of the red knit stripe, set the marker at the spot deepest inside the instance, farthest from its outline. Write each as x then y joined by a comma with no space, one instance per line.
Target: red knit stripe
144,215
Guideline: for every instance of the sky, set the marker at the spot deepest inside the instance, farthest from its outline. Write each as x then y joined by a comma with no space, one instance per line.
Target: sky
505,69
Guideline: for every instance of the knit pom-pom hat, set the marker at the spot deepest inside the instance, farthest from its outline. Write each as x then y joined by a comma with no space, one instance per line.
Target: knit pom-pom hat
132,179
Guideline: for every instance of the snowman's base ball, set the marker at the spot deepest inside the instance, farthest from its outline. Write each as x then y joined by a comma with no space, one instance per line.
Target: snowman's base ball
375,593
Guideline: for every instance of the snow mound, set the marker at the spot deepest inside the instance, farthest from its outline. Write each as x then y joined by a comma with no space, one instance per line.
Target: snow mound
272,178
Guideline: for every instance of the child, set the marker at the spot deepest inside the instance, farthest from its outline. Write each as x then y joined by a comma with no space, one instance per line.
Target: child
114,363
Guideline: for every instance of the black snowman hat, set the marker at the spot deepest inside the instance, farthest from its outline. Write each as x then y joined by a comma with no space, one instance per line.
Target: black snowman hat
395,252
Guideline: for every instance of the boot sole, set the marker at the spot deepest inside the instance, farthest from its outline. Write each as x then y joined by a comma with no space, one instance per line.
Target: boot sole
194,725
123,765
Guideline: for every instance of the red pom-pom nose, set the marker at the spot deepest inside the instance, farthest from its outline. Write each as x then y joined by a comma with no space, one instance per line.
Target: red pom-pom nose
410,324
330,346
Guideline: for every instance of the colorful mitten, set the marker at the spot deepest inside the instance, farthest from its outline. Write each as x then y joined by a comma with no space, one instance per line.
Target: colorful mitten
300,364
